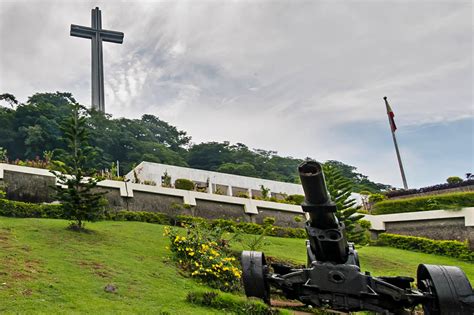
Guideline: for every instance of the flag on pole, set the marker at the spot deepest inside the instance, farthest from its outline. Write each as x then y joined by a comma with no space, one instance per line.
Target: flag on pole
390,116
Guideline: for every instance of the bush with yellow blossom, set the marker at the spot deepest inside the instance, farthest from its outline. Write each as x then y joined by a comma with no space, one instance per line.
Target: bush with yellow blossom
202,253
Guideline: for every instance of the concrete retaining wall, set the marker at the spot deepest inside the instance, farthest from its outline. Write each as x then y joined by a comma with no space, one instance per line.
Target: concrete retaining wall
32,184
436,192
437,224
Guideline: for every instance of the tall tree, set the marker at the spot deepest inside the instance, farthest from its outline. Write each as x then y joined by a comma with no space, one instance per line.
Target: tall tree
78,200
340,189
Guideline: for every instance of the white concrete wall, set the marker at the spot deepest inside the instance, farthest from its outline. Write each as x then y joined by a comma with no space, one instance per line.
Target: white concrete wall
378,221
154,172
189,197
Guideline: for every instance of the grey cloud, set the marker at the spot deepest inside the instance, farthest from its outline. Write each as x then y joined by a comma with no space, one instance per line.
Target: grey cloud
263,73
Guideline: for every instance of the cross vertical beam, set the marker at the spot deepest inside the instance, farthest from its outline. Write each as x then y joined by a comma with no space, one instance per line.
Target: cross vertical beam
97,35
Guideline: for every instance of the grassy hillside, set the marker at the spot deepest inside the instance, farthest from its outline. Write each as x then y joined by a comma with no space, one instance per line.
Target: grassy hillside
45,268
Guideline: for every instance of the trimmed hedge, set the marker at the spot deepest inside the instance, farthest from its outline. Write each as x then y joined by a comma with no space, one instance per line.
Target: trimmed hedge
434,202
10,208
140,216
183,183
403,192
453,249
18,209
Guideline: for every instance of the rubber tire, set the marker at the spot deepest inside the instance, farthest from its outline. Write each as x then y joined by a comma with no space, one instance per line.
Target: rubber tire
254,272
449,285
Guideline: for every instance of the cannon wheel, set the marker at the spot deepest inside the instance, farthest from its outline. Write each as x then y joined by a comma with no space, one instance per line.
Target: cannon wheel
449,286
254,272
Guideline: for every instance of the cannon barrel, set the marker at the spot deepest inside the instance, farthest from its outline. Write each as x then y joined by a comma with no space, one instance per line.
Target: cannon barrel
317,200
314,185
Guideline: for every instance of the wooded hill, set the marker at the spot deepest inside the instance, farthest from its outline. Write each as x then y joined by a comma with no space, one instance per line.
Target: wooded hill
31,130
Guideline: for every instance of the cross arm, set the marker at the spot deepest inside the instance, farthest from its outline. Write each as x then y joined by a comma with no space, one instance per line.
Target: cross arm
111,36
82,31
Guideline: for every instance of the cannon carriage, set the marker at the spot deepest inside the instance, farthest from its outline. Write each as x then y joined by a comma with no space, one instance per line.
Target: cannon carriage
332,276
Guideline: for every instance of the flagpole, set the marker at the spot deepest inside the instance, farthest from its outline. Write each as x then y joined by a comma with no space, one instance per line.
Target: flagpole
405,185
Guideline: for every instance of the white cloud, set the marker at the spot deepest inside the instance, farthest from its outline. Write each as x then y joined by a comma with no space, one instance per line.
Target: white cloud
262,73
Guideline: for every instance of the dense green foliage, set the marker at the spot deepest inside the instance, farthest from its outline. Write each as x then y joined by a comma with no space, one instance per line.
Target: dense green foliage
79,202
453,249
10,208
18,209
204,254
140,216
183,183
340,189
454,180
433,202
359,181
29,130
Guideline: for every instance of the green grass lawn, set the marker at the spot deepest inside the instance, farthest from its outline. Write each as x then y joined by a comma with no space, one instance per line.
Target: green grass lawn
45,268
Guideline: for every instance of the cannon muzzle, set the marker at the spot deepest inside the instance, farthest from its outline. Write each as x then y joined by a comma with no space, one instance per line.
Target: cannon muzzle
314,185
317,200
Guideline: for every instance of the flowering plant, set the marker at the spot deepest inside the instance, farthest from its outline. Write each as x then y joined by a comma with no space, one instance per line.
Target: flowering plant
203,254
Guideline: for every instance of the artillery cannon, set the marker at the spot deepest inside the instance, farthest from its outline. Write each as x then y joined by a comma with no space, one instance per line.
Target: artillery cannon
332,276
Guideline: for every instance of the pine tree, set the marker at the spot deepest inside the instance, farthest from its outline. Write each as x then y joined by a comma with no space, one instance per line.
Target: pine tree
340,189
78,200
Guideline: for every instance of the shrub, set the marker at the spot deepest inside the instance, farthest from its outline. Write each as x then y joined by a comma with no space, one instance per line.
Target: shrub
141,216
454,180
203,254
264,190
230,304
10,208
287,232
295,199
250,228
242,195
183,183
373,198
434,202
268,221
166,180
226,225
402,192
454,249
184,220
18,209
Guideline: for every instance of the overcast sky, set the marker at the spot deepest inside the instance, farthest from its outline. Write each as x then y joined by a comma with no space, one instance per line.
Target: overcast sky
304,78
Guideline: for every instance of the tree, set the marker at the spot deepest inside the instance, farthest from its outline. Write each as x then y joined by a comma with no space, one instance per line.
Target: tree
340,189
359,181
454,180
9,98
78,200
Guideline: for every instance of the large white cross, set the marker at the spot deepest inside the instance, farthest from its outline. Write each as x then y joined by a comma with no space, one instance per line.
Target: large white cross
97,35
